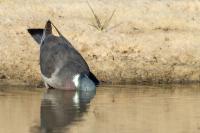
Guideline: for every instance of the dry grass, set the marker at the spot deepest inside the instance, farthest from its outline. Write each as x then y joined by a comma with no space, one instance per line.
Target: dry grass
98,22
144,40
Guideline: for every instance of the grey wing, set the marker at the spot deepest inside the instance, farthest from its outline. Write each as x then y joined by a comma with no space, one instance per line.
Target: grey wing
47,61
70,69
57,56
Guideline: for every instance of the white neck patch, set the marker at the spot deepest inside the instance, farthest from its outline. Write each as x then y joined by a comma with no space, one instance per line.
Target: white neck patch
76,80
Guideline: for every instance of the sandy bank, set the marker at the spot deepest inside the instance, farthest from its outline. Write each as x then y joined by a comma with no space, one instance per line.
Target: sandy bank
146,40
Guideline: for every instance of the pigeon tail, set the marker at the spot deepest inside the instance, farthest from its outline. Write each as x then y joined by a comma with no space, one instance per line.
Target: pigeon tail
36,34
48,28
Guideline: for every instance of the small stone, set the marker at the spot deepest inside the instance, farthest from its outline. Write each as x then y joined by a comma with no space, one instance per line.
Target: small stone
2,77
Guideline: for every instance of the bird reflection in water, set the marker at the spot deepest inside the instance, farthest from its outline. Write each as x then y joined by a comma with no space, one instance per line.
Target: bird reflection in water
60,108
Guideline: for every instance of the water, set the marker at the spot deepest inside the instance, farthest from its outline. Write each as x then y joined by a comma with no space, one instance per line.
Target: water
111,109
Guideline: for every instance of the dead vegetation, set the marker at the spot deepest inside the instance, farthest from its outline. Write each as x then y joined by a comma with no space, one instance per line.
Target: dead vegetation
98,24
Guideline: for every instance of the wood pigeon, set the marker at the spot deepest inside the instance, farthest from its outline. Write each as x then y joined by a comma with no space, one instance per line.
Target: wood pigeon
62,66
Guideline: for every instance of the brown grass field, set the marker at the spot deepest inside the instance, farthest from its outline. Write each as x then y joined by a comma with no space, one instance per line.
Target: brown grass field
145,41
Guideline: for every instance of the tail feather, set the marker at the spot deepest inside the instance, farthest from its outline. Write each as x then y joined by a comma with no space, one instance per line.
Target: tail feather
36,34
40,34
48,28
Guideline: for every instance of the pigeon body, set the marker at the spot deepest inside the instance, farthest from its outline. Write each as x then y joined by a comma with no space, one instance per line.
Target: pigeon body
62,66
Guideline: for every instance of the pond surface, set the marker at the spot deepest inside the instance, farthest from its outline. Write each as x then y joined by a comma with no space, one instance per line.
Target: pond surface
111,109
